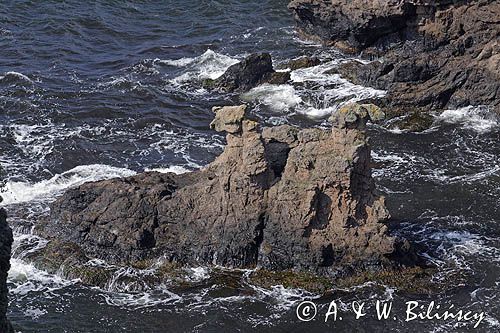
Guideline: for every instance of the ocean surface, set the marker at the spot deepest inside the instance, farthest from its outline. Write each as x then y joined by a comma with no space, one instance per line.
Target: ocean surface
92,90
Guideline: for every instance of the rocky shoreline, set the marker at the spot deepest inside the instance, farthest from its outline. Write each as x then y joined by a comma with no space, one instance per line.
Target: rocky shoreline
428,55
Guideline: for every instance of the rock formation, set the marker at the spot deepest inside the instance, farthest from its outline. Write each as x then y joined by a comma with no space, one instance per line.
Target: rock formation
5,247
277,198
252,71
430,54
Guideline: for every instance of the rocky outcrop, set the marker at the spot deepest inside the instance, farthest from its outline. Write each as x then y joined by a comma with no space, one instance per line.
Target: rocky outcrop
277,198
428,54
252,71
5,247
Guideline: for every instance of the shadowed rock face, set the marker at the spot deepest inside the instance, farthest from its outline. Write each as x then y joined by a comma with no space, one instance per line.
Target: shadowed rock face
5,247
436,54
353,24
278,198
252,71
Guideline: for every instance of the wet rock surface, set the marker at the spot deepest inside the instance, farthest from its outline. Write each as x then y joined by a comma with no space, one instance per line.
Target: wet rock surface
428,55
252,71
277,198
5,248
302,62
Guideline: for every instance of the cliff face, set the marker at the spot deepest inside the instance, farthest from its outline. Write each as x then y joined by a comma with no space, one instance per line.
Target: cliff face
5,247
277,198
431,54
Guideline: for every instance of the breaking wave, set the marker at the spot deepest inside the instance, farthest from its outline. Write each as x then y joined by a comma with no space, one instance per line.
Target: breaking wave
315,92
209,65
20,192
280,98
477,118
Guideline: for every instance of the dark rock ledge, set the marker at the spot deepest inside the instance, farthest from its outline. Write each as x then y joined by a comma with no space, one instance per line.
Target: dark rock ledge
5,248
428,54
279,199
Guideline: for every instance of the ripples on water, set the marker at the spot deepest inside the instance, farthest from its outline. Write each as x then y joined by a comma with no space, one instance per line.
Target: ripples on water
111,88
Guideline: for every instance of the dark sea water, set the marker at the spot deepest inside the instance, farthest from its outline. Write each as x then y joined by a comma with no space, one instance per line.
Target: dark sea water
97,89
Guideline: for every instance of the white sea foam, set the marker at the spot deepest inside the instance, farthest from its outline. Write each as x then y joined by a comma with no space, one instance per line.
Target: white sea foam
469,244
283,298
19,192
209,65
181,143
280,98
318,112
248,33
398,164
479,119
177,169
34,143
26,279
127,289
337,91
141,300
25,244
456,246
35,312
128,279
197,274
474,176
387,157
182,61
321,94
15,76
124,83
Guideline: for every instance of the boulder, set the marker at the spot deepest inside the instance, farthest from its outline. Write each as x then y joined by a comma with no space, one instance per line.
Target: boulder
277,198
252,71
228,119
5,249
415,121
433,54
354,115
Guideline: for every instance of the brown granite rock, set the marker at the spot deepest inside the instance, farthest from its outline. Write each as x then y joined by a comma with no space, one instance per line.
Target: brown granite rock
277,198
228,118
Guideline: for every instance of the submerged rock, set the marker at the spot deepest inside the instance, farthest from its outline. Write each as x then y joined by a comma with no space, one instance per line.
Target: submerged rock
302,62
436,54
354,115
415,121
5,248
277,198
254,70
